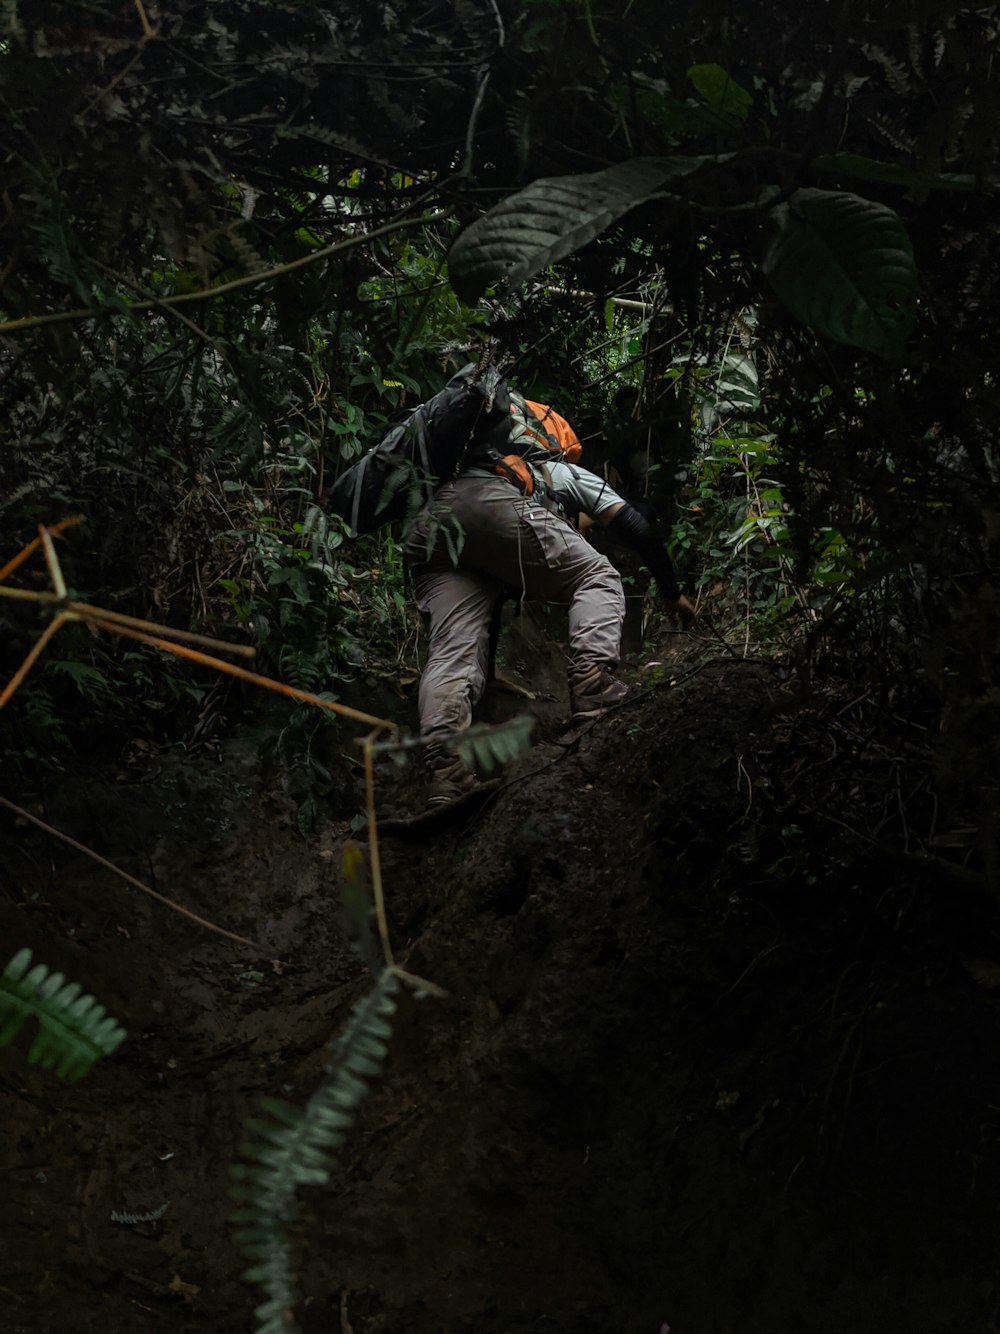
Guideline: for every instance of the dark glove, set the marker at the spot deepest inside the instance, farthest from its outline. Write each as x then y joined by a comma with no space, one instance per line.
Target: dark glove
632,530
681,610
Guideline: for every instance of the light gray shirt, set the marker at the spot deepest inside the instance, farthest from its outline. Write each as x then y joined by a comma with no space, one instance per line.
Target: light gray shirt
571,489
565,488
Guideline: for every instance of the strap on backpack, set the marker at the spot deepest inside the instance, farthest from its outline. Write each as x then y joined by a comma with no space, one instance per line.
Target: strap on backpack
513,469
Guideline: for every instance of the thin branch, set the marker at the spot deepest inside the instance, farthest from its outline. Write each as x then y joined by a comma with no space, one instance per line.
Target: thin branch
209,293
33,545
85,610
501,29
52,561
622,303
117,623
16,681
28,595
470,131
161,304
204,659
419,983
376,860
138,884
147,27
123,73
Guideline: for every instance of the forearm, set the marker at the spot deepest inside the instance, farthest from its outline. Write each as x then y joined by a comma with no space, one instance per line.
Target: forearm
630,529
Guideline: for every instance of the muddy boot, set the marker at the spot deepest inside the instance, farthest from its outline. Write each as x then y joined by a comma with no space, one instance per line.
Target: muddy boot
449,776
593,692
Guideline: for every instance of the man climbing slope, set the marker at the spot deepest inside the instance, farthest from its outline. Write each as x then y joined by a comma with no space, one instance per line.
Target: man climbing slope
505,522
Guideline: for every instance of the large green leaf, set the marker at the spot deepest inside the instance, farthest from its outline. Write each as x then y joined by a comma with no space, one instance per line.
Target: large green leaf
861,168
721,95
844,266
553,217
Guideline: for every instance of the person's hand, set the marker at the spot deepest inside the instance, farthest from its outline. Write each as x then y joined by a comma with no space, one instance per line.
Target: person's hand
681,610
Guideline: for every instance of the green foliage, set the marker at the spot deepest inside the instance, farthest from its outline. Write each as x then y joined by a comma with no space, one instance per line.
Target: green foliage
553,217
129,1219
88,688
739,524
726,103
294,1147
74,1031
299,752
487,747
844,265
855,166
90,680
289,595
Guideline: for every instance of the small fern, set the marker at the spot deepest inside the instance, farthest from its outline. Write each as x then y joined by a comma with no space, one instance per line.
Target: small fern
488,747
335,138
130,1219
294,1147
58,247
246,255
74,1031
896,73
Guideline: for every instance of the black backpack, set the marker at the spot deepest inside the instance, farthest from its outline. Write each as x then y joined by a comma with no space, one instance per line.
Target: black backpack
400,474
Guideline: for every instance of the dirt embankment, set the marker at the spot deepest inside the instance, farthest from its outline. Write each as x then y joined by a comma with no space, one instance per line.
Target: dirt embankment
718,1052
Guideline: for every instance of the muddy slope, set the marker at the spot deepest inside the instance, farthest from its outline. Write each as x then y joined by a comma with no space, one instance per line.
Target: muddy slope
718,1051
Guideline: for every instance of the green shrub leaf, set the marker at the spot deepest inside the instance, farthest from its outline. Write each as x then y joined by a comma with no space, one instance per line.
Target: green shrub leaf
553,217
721,94
844,266
861,168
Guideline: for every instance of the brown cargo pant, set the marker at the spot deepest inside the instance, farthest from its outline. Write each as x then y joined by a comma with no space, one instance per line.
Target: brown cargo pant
480,536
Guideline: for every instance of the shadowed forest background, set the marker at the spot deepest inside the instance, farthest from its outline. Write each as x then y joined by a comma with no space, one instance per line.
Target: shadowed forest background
693,1026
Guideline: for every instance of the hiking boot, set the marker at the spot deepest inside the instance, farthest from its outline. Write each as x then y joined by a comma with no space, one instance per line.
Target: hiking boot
593,693
449,777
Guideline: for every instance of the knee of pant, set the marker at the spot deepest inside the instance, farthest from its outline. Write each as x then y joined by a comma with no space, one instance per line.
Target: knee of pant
603,575
464,659
446,710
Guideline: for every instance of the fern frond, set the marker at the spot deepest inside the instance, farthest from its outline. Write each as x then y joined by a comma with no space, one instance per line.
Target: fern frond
487,747
58,247
737,388
251,260
900,140
915,42
74,1031
896,73
12,497
959,117
292,1147
153,1216
940,46
481,26
345,142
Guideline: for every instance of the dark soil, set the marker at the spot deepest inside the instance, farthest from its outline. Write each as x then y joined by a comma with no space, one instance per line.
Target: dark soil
718,1053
